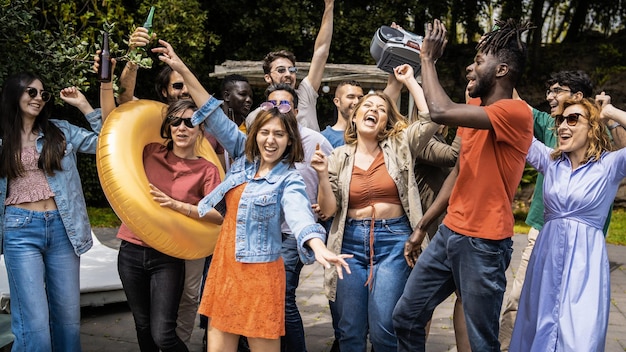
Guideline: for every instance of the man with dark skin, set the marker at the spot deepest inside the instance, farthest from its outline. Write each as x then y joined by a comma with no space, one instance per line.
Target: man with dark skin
472,248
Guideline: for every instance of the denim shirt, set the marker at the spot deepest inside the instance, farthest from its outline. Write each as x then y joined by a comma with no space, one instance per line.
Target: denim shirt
266,201
66,184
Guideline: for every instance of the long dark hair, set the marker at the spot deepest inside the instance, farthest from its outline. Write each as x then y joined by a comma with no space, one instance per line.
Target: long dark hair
11,122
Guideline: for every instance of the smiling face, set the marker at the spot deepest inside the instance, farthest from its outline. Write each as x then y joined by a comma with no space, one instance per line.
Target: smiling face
176,89
574,139
275,77
239,98
556,96
31,107
370,117
184,137
481,75
272,141
346,98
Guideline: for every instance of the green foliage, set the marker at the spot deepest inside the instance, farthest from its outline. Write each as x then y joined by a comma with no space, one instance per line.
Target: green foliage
617,228
103,217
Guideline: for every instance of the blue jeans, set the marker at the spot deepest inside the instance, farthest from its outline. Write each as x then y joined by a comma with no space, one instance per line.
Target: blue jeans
43,274
474,266
153,283
293,341
361,309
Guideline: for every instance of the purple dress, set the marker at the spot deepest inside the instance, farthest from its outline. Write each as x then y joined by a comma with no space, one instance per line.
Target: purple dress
565,300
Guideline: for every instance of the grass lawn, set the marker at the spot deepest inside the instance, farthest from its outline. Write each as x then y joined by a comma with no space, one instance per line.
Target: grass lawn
105,217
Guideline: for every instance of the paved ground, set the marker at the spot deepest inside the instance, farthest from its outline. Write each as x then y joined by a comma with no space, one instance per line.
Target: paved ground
111,328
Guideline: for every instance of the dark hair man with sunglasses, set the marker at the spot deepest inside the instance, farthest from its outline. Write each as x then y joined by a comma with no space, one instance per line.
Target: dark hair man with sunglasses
284,98
562,86
280,67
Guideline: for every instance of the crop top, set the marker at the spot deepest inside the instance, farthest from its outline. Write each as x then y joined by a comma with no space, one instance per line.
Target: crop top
372,186
33,185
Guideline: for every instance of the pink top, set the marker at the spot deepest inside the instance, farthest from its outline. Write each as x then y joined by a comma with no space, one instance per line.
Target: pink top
33,185
186,180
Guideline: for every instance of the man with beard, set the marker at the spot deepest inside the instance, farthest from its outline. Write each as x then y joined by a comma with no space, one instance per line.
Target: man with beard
347,95
472,248
280,67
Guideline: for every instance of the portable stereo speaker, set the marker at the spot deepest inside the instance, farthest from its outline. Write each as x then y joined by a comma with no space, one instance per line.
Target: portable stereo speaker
392,47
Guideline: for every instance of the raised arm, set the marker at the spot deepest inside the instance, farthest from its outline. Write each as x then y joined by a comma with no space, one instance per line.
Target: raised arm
614,118
325,197
196,90
128,78
322,46
442,109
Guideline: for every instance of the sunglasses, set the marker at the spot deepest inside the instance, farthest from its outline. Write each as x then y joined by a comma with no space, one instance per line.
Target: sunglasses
176,121
283,69
178,85
572,119
32,92
283,107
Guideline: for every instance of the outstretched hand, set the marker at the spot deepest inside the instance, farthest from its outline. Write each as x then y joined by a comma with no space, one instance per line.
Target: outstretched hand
169,56
435,41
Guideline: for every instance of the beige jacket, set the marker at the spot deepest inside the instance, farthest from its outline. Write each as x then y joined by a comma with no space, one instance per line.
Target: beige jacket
399,153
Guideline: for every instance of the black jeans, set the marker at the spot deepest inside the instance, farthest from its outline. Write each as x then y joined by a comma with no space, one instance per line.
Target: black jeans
153,283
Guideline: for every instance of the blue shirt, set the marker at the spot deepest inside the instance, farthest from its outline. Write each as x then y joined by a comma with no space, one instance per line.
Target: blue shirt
66,184
265,202
335,137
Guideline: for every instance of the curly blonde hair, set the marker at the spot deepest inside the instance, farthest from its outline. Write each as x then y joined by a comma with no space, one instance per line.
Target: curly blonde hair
396,122
598,136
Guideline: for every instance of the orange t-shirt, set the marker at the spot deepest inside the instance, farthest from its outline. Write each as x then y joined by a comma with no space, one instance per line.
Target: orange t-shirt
491,163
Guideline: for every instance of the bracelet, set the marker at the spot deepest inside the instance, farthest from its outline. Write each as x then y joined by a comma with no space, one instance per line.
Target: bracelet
189,211
102,88
614,125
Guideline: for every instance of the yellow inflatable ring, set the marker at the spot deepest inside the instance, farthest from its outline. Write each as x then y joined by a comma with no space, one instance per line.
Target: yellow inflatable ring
126,131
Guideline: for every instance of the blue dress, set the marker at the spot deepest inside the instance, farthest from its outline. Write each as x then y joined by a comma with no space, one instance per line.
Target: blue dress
565,300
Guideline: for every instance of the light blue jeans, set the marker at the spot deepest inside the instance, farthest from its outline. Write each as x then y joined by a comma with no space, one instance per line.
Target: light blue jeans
475,267
363,309
43,273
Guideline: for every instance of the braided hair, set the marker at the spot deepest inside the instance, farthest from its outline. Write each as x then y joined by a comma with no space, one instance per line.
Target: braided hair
505,42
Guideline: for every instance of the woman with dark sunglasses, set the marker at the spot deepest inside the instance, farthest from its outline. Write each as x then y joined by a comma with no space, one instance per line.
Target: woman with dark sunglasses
154,281
245,294
565,300
44,220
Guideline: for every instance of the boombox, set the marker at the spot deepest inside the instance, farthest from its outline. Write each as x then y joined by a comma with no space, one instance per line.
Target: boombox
392,47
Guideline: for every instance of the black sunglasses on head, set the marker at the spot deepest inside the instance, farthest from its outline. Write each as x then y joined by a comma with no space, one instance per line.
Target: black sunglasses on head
176,121
572,119
32,92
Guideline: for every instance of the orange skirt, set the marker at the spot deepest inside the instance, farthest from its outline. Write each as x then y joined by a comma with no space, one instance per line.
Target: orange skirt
243,298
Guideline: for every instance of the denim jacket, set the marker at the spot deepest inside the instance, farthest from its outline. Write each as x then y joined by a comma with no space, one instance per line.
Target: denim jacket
266,201
66,184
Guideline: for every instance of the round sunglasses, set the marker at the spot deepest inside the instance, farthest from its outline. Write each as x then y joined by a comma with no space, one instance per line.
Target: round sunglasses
283,106
33,92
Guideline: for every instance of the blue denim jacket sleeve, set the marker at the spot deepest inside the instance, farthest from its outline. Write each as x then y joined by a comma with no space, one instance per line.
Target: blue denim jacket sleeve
299,216
217,124
95,120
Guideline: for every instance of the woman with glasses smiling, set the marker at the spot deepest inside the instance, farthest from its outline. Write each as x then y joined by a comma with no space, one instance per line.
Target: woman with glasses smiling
565,300
44,220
